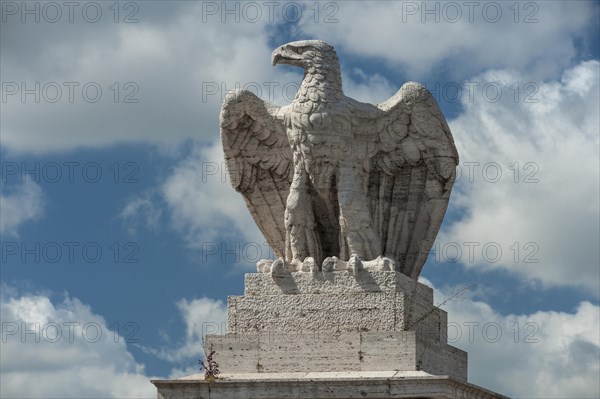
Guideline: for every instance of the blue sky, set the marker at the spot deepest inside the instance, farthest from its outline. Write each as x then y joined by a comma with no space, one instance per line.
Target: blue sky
126,223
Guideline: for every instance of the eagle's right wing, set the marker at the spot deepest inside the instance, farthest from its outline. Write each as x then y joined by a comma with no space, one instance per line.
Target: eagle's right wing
259,161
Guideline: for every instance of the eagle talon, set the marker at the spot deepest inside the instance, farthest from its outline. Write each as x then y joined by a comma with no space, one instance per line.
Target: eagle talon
264,265
354,265
278,268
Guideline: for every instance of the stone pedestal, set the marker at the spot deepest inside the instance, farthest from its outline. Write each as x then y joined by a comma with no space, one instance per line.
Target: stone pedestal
338,334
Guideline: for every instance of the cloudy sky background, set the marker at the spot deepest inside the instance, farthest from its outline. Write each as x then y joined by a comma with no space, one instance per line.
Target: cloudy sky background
126,237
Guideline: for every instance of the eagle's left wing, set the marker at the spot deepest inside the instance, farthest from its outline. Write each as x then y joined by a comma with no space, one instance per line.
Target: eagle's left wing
411,173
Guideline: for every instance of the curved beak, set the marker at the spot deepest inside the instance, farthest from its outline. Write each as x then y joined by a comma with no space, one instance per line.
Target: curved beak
286,55
275,57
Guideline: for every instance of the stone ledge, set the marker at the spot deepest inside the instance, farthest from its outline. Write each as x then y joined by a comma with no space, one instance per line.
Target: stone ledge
260,284
315,375
335,312
359,352
334,301
323,385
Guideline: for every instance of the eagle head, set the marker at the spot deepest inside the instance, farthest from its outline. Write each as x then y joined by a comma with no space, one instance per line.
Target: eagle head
303,54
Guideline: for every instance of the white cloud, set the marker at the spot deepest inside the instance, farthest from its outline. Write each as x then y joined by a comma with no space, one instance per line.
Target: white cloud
559,214
141,212
71,353
367,88
175,58
464,40
203,204
545,354
25,203
178,68
201,316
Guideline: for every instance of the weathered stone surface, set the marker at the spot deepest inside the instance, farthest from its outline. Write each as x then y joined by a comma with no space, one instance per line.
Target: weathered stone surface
316,312
354,312
336,321
323,385
370,351
335,302
327,176
332,335
257,284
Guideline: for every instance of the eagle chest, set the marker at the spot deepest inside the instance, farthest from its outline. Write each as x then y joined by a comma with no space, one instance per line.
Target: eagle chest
316,133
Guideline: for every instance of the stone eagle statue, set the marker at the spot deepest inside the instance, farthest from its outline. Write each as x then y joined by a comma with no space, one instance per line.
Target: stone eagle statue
329,179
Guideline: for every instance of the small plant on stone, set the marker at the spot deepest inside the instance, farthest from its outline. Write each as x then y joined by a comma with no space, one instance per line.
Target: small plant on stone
210,367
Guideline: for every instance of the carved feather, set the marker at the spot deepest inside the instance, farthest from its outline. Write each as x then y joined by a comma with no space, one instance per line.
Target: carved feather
411,176
259,159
